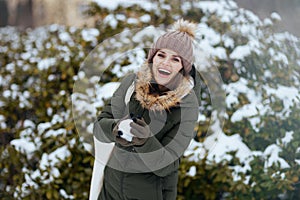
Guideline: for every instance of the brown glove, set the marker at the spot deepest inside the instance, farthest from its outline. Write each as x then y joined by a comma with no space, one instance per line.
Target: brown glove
140,130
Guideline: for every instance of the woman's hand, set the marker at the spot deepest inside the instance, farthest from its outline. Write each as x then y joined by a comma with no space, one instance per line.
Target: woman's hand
140,130
117,133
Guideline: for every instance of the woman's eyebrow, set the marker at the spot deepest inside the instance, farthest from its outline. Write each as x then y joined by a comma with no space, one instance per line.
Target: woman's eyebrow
176,56
160,51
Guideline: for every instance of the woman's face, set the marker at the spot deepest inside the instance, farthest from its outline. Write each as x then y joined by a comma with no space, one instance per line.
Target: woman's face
166,65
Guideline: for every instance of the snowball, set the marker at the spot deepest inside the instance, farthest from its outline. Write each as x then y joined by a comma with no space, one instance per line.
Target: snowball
124,126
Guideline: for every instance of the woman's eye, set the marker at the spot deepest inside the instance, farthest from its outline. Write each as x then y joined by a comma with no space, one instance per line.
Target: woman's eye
160,55
176,60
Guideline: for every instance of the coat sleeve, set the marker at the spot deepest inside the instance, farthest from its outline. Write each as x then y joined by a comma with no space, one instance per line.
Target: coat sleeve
112,112
161,156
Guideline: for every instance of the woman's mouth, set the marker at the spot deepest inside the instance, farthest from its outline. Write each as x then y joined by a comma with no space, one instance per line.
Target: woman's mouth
164,72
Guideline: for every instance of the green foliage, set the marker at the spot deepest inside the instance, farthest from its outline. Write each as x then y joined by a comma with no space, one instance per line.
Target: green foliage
39,66
210,181
213,180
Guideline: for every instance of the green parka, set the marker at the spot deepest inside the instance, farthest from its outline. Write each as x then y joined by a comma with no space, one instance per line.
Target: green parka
149,171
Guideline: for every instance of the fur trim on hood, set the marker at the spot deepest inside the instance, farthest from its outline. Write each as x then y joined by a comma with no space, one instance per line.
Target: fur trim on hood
157,102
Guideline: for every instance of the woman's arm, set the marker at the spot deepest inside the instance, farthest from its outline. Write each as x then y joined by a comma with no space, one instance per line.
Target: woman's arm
112,112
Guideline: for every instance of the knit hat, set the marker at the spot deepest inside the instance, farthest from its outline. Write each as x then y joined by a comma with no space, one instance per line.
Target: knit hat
179,39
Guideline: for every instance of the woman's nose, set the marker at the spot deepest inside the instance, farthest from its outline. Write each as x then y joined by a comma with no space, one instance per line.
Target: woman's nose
166,60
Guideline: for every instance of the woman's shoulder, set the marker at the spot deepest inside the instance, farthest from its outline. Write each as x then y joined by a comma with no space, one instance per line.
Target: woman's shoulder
127,80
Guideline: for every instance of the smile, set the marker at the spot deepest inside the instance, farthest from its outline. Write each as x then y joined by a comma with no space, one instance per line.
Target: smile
164,71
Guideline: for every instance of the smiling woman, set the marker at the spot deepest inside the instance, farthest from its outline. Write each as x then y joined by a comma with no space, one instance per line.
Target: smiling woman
162,110
166,65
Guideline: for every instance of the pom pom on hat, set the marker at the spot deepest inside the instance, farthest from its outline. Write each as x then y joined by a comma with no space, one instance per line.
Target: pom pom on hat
179,39
185,26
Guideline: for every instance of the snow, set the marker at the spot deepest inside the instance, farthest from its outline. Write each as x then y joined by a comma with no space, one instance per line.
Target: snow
240,52
43,126
49,162
104,92
10,67
234,89
275,16
145,18
228,42
44,64
2,122
267,22
217,145
245,111
192,171
54,157
111,20
24,145
288,95
65,37
120,17
272,155
132,20
281,57
210,35
63,193
90,35
55,133
286,139
112,5
29,124
57,119
223,9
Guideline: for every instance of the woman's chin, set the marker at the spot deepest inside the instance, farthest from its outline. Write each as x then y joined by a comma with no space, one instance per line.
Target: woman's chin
163,83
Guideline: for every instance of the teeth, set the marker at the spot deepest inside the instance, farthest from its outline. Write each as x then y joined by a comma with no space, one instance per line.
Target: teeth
164,71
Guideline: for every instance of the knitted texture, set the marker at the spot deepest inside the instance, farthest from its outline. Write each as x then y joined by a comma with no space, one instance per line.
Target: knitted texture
180,40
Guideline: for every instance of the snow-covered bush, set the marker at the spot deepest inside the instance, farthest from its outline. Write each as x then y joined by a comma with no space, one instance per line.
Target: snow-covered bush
41,154
254,154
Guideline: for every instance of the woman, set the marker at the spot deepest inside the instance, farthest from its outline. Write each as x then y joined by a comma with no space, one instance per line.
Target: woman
163,108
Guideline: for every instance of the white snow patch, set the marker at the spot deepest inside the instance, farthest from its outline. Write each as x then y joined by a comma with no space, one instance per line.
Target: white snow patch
112,5
271,154
55,133
286,139
90,35
240,52
192,171
24,145
111,20
275,16
145,18
46,63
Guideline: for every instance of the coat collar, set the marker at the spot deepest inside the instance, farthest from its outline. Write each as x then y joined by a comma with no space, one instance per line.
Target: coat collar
155,102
